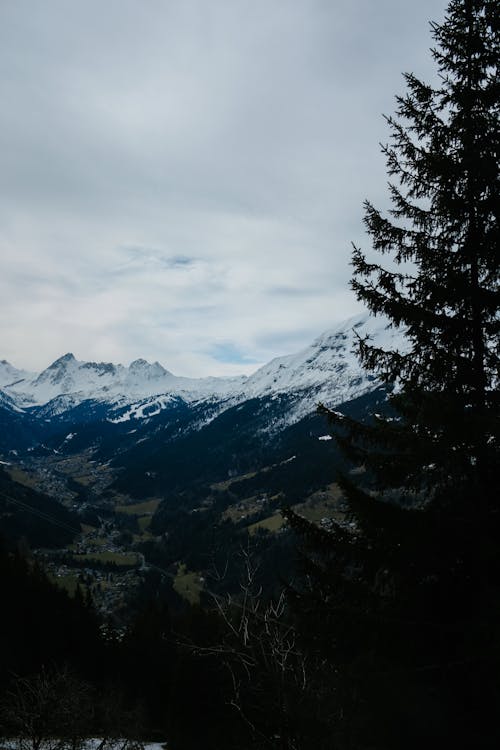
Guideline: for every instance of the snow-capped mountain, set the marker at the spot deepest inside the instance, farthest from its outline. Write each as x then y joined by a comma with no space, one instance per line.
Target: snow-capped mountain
162,432
10,375
103,381
326,371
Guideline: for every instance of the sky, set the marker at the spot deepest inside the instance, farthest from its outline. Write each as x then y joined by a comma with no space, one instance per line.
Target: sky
181,180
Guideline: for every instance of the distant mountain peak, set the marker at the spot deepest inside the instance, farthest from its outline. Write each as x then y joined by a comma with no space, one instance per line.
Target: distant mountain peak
10,374
143,367
64,360
327,370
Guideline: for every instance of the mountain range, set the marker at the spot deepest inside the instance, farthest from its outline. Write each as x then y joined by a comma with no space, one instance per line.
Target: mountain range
326,371
152,433
179,467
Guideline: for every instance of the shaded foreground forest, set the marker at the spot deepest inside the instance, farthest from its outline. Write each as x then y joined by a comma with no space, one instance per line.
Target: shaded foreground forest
389,636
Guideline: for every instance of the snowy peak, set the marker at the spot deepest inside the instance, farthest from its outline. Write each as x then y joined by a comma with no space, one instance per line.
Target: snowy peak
326,359
95,380
326,371
138,364
143,368
70,381
10,374
64,360
67,375
57,372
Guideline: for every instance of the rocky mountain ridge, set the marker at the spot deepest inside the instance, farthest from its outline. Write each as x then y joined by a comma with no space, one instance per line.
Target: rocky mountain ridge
326,371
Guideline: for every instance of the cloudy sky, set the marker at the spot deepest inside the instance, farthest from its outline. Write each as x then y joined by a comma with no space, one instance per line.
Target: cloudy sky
181,179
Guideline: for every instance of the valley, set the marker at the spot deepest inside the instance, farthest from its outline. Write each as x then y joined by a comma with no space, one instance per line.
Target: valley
161,490
113,549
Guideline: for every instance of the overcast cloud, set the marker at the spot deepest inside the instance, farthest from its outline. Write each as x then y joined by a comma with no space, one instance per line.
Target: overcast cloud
181,179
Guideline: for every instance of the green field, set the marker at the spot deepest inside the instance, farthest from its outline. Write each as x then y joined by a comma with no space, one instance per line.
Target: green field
18,475
188,585
84,479
69,583
271,523
119,558
144,523
324,503
99,541
139,509
228,482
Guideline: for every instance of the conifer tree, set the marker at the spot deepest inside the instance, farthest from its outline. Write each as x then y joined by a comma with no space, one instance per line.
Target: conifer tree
439,450
443,237
409,601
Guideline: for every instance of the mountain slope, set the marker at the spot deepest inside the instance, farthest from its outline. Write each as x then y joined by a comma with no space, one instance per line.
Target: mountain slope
325,371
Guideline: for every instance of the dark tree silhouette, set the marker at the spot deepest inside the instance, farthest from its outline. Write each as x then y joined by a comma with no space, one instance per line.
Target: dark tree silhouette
442,235
408,596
